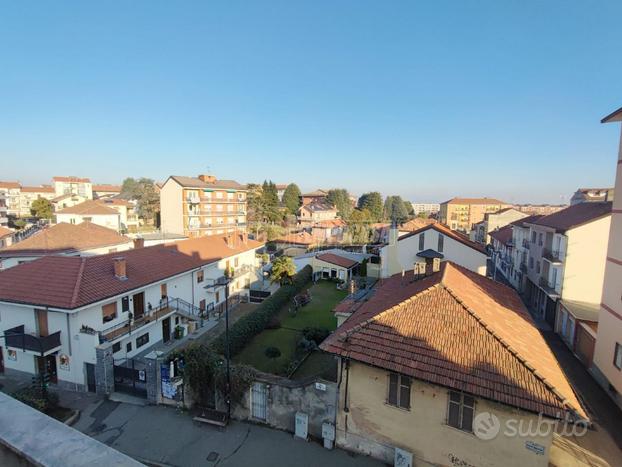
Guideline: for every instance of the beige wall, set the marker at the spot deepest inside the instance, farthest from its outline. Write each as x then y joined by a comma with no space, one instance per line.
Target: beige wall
371,426
463,216
171,208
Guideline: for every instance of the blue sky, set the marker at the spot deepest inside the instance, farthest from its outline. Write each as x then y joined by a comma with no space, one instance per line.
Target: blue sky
424,99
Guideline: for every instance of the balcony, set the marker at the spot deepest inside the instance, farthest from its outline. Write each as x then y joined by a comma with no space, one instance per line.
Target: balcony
18,339
129,327
548,287
523,267
239,271
552,256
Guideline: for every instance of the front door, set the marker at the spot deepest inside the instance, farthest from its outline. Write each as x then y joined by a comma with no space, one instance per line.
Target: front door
90,377
1,361
139,305
47,365
166,329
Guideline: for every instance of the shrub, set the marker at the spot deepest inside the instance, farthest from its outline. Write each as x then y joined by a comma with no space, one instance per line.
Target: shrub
272,352
305,345
34,397
274,323
315,334
252,324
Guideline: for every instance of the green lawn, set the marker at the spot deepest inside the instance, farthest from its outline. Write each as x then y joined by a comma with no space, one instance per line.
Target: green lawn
318,313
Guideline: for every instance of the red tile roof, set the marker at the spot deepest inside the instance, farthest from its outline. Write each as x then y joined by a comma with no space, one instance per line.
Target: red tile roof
89,207
460,330
5,232
65,238
416,224
502,235
9,185
297,238
337,260
574,216
330,223
443,229
71,179
70,282
107,188
474,201
37,189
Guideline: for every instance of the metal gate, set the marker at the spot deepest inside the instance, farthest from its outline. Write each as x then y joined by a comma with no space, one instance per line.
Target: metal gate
131,378
259,401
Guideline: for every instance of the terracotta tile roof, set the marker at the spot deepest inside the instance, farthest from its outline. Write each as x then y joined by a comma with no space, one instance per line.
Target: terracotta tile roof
575,215
317,206
37,189
474,201
315,194
337,260
65,238
442,228
193,182
416,224
459,330
5,232
70,282
297,238
115,202
89,207
330,223
502,235
281,186
107,188
9,185
71,179
526,220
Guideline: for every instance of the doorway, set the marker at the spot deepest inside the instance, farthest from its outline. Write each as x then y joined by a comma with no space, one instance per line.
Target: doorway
90,377
47,365
259,401
138,301
166,329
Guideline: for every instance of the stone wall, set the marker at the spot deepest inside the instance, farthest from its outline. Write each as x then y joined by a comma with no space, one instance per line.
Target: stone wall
104,369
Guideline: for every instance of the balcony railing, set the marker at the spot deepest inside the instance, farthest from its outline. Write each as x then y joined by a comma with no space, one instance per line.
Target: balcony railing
554,256
547,286
523,266
17,338
526,243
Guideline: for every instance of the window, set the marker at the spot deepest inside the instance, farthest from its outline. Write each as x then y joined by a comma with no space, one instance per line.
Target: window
533,237
202,305
116,347
128,347
236,262
199,276
125,304
142,340
460,411
617,357
421,241
217,297
399,391
540,239
109,312
538,267
441,241
530,262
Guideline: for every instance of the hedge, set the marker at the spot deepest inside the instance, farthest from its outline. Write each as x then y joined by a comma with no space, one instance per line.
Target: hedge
252,324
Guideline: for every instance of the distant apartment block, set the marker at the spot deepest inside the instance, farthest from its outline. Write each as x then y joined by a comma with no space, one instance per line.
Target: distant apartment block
11,192
106,191
29,194
539,209
3,210
462,213
492,221
607,366
73,185
588,195
426,208
203,205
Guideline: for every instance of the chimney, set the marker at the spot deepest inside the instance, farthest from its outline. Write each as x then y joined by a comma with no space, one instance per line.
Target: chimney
139,242
120,268
436,264
245,237
229,240
207,178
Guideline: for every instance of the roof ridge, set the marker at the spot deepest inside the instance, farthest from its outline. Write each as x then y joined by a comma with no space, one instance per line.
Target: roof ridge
76,289
357,327
565,402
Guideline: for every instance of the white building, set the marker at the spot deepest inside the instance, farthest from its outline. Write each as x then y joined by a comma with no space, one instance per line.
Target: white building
426,208
29,194
85,239
517,275
127,212
73,185
11,192
424,245
91,211
125,302
4,220
106,191
481,231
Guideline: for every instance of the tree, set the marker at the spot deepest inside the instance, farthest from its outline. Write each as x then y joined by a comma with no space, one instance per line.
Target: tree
144,192
340,198
291,198
358,226
41,208
395,210
270,202
253,203
283,269
372,202
409,208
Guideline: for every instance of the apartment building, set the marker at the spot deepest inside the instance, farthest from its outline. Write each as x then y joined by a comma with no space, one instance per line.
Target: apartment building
85,239
462,213
539,209
517,271
607,366
106,191
202,206
425,208
502,254
11,192
84,311
421,359
421,248
481,231
4,220
567,256
91,211
73,185
28,194
592,195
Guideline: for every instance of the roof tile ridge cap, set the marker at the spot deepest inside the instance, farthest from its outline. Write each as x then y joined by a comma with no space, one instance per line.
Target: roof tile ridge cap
76,289
514,352
357,327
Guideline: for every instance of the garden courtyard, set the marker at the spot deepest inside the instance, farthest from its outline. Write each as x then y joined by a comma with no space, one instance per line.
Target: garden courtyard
286,332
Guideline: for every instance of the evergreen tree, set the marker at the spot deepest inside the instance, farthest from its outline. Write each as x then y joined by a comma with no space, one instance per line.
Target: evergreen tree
395,209
291,198
340,198
270,202
372,202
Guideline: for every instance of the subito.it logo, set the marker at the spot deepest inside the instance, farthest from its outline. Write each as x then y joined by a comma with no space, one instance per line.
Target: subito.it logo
486,426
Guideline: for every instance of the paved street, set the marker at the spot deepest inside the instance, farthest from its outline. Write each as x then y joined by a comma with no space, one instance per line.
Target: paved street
165,436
